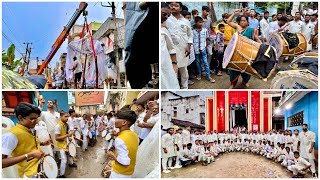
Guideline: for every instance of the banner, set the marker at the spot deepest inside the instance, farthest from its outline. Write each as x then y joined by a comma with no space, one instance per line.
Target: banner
220,110
255,110
238,97
265,114
84,98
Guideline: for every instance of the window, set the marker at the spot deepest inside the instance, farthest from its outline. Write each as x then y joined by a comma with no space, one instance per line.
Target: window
202,118
174,113
187,111
296,119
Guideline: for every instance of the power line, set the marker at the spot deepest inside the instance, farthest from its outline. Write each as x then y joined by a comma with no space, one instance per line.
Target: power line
17,39
5,36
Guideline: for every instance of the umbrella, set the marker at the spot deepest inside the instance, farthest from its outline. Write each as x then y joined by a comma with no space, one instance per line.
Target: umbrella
13,80
38,80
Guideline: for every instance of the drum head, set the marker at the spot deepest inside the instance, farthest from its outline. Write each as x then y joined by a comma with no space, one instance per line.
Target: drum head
72,150
228,53
49,167
7,124
104,133
275,41
295,79
108,137
77,134
90,134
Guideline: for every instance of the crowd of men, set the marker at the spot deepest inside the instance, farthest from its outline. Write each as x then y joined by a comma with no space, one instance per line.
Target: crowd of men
295,151
193,47
54,131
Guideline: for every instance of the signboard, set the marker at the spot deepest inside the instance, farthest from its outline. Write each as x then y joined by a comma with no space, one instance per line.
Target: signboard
84,98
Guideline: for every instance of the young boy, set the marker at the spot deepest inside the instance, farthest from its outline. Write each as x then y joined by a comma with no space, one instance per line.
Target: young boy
200,41
62,132
219,48
126,145
21,143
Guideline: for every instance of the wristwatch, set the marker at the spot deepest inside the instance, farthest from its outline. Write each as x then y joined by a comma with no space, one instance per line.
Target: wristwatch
174,62
26,155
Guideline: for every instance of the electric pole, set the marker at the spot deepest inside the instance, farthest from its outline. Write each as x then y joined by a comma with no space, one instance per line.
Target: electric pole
28,52
115,41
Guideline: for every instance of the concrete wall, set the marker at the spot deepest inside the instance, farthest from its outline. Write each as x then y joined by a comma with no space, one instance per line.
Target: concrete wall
309,105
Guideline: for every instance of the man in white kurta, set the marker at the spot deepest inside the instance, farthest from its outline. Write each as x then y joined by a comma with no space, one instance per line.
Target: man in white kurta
264,26
51,118
289,158
306,142
167,147
178,147
186,137
300,165
296,25
308,32
295,138
182,37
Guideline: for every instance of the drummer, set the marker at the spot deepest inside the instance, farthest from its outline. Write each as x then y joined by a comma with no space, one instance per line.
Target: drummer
62,132
21,142
251,33
84,130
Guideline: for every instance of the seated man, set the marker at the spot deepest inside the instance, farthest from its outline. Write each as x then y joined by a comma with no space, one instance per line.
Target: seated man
289,158
300,165
188,156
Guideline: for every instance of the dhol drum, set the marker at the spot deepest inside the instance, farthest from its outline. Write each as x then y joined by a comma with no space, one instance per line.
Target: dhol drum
11,171
72,149
48,167
308,60
7,124
241,55
279,42
295,79
108,137
77,134
104,133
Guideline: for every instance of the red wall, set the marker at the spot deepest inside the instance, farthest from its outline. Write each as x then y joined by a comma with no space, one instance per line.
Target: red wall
238,97
265,114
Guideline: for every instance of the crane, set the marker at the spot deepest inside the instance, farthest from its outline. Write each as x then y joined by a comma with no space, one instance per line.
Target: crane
63,35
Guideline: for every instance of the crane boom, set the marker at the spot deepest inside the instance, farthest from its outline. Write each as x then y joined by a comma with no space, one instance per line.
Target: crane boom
63,35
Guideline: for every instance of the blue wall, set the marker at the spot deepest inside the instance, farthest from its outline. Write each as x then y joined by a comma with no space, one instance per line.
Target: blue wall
309,105
60,96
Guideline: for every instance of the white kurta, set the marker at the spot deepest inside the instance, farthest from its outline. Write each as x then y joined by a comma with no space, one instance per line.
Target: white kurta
169,78
181,33
167,142
178,141
307,31
264,28
186,138
295,26
305,143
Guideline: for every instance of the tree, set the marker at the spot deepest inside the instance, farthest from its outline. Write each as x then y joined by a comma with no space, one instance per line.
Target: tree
9,57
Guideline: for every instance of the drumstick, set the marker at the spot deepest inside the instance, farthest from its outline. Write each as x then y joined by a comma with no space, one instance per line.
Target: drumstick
79,139
58,147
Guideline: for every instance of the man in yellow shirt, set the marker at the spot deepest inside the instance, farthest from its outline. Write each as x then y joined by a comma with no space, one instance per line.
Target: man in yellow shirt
126,145
21,142
62,132
228,30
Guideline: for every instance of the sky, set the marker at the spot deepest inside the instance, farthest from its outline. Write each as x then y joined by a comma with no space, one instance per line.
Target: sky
42,22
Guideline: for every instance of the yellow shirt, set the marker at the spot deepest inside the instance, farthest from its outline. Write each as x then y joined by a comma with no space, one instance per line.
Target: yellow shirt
228,32
27,143
131,141
63,132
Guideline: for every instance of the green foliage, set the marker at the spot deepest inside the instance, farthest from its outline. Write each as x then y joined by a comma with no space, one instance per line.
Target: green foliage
9,56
